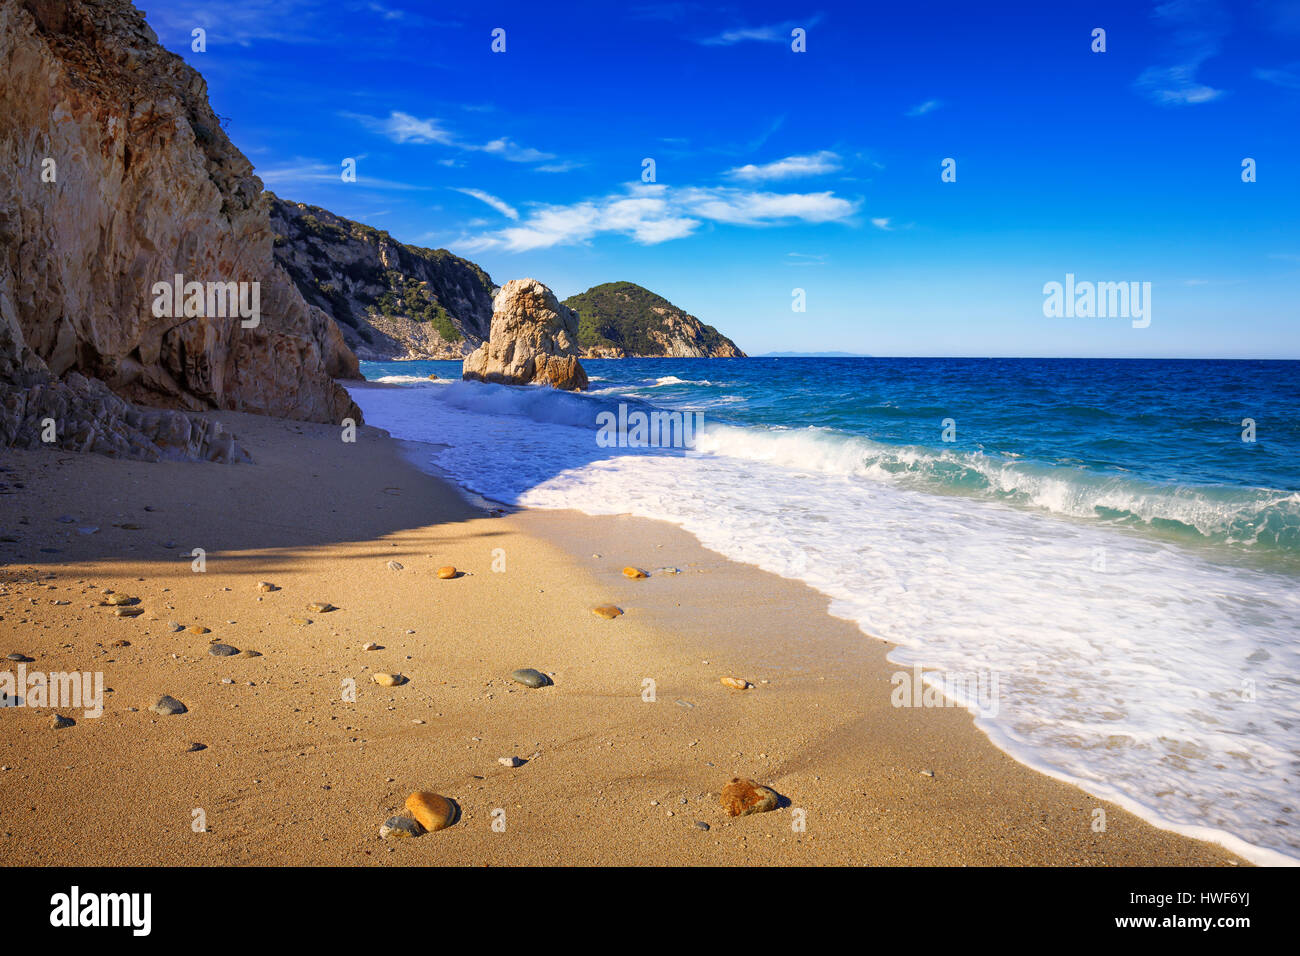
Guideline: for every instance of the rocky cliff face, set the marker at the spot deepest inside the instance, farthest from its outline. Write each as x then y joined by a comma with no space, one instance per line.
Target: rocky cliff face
390,300
118,176
622,319
533,341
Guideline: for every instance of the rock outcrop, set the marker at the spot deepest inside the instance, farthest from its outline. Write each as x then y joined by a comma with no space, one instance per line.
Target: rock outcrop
118,176
623,319
533,340
389,300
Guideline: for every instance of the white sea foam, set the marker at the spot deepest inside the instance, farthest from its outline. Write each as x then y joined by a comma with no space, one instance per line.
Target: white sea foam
1126,665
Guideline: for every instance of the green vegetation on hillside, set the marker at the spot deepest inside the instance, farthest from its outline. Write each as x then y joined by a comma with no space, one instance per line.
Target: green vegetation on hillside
621,315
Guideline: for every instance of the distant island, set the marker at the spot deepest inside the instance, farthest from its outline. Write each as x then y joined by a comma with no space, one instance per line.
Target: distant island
624,320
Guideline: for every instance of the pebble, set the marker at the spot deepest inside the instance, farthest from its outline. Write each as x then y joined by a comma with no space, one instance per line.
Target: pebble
701,825
928,773
400,828
447,572
59,722
634,573
321,607
300,621
266,586
175,627
128,611
370,646
167,706
198,629
743,797
607,611
21,658
529,677
388,680
736,683
433,811
195,748
510,761
249,652
223,650
394,566
120,600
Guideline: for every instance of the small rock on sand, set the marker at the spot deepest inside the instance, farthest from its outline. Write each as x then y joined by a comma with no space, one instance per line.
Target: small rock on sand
401,828
634,573
59,722
167,706
388,680
199,629
371,646
321,607
249,652
266,586
128,611
510,762
529,677
743,797
394,566
447,572
433,811
15,656
195,748
736,683
701,825
607,611
223,650
120,600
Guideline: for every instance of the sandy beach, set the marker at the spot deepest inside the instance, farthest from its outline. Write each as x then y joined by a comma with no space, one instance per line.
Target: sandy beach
625,754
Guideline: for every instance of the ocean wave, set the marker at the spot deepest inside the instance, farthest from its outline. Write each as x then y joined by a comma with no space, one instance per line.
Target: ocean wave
1229,514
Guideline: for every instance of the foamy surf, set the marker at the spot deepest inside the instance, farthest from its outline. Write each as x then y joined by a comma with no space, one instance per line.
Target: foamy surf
1139,670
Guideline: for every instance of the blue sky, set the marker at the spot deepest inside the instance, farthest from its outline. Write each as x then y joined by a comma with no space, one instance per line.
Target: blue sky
818,170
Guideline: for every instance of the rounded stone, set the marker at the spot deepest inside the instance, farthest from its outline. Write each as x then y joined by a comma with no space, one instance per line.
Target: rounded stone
736,683
432,810
607,611
634,573
223,650
321,607
447,572
401,828
388,680
168,705
742,797
529,677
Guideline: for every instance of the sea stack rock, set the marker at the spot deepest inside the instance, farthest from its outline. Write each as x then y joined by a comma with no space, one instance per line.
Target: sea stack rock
533,341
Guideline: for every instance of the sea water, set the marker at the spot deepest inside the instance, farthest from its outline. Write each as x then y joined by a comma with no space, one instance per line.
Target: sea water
1117,543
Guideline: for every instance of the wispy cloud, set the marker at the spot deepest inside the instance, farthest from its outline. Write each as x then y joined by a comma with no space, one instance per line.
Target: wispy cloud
928,106
655,213
882,223
1288,77
810,164
771,33
804,259
1197,28
404,128
500,205
309,171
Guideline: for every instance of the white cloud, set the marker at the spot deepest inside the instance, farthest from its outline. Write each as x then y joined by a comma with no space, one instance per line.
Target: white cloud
308,171
811,164
500,205
655,213
404,128
773,33
1287,78
1197,28
927,107
882,223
